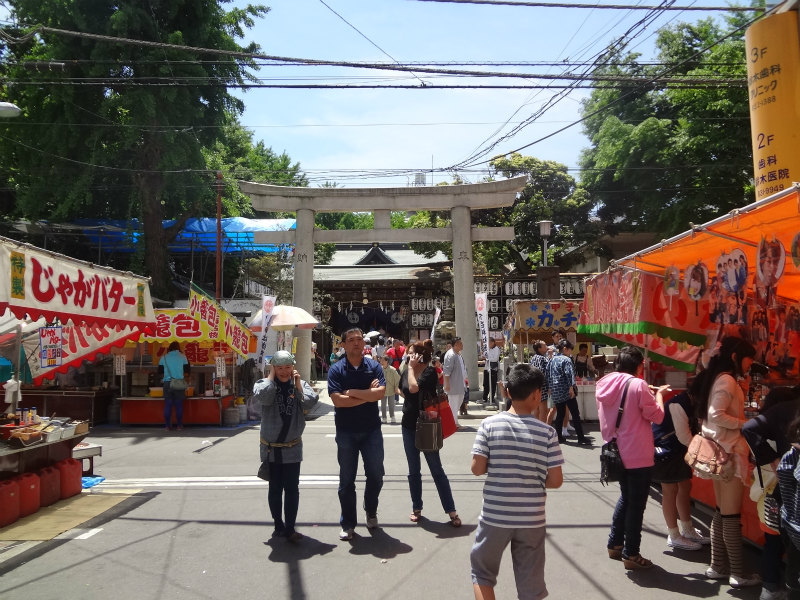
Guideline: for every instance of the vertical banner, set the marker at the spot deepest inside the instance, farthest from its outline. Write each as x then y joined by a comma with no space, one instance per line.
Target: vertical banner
773,85
220,366
482,312
119,364
50,353
435,321
267,306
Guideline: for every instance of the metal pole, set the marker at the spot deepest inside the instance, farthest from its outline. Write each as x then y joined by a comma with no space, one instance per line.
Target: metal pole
544,257
219,235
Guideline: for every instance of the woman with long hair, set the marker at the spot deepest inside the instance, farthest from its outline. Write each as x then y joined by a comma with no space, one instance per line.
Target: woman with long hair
418,383
720,406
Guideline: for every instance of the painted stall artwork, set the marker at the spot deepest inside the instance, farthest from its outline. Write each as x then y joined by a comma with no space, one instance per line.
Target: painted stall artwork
695,280
728,289
771,262
672,279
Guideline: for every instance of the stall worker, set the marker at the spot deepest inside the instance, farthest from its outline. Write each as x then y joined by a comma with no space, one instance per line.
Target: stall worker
173,366
284,399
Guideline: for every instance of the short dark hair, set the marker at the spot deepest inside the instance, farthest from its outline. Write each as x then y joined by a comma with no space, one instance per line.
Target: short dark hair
565,343
353,330
629,359
522,380
455,340
174,346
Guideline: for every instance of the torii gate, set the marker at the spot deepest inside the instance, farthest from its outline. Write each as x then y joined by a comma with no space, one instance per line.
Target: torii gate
458,199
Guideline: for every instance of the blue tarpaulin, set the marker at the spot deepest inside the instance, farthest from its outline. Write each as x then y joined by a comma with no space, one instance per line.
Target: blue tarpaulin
198,234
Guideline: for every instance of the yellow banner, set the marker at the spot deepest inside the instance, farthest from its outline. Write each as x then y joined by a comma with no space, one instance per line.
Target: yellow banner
773,84
222,326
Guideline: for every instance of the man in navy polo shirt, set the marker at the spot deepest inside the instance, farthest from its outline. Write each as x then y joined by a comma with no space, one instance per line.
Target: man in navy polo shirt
356,386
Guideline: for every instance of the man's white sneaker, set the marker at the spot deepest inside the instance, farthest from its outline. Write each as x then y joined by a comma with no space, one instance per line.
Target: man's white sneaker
372,521
564,432
346,534
682,543
776,595
738,581
696,536
570,429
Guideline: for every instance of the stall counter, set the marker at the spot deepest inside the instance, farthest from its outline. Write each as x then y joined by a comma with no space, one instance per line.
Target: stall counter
587,403
84,405
14,461
197,410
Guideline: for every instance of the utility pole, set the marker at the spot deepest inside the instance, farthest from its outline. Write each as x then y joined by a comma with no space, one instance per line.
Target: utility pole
219,236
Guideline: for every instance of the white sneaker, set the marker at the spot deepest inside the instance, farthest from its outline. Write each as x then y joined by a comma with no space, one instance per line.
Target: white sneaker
696,536
776,595
346,534
712,573
570,429
738,581
372,521
682,543
564,432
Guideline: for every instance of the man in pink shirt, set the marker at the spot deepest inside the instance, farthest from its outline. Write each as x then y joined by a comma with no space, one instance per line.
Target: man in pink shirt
635,440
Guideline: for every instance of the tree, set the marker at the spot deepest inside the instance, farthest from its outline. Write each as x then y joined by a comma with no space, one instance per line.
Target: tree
664,155
125,148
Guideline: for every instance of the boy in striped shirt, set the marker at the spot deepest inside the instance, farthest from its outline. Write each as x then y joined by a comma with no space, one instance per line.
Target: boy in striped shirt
522,458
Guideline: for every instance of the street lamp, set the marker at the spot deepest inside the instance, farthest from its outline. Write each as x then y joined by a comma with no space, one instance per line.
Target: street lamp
7,109
544,230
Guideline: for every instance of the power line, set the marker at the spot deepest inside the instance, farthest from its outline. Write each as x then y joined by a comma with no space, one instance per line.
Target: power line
597,6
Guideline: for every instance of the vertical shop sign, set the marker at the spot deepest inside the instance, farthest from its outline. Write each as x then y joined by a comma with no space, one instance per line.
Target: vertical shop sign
482,312
119,364
773,85
267,306
50,354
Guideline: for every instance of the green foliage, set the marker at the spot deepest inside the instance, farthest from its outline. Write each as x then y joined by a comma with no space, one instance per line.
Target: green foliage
119,150
664,155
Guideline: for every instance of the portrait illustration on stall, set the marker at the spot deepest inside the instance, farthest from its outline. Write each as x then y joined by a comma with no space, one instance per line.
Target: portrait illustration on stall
672,278
695,280
795,248
730,282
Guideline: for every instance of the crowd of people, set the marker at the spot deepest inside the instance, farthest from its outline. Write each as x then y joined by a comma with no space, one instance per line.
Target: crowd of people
519,451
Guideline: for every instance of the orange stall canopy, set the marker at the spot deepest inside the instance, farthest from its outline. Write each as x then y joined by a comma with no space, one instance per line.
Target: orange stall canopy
739,271
775,218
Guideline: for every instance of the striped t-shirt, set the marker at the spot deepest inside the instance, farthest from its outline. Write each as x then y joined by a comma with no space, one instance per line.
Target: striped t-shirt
520,449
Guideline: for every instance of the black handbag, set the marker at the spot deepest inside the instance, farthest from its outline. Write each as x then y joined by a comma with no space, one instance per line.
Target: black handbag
611,466
263,471
428,436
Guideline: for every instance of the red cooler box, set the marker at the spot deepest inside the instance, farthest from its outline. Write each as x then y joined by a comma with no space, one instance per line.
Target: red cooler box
49,486
9,502
29,494
71,471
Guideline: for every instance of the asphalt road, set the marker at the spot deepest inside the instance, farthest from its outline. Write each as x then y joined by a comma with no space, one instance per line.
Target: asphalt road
198,528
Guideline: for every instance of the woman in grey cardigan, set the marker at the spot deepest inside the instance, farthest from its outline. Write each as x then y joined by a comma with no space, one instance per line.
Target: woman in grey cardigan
284,397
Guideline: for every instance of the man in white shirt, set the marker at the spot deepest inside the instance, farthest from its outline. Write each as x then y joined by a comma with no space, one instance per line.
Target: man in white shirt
490,370
454,377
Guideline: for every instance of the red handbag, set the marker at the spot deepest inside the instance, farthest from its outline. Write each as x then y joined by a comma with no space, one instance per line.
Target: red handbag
442,409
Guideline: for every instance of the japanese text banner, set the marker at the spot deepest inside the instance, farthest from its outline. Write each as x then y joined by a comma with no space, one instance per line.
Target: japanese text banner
223,326
39,283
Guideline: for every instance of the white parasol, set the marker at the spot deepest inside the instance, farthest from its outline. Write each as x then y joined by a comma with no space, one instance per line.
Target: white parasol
285,318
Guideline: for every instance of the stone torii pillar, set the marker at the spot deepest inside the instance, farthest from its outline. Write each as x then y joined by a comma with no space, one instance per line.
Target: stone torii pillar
458,199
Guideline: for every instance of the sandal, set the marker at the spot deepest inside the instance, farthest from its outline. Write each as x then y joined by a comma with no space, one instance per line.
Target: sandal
455,521
636,562
615,553
415,516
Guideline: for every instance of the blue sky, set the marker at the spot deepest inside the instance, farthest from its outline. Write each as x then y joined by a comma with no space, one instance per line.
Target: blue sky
338,135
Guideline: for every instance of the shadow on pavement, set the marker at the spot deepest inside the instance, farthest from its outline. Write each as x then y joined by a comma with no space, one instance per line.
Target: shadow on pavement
379,544
445,530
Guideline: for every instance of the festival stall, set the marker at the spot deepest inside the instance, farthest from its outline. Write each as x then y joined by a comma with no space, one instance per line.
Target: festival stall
61,312
736,275
211,339
531,320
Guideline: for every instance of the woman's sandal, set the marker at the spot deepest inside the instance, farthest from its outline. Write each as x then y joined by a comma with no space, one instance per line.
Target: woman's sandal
615,553
636,562
415,516
455,521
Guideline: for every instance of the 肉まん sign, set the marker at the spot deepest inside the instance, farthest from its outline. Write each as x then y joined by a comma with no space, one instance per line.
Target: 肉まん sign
39,283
